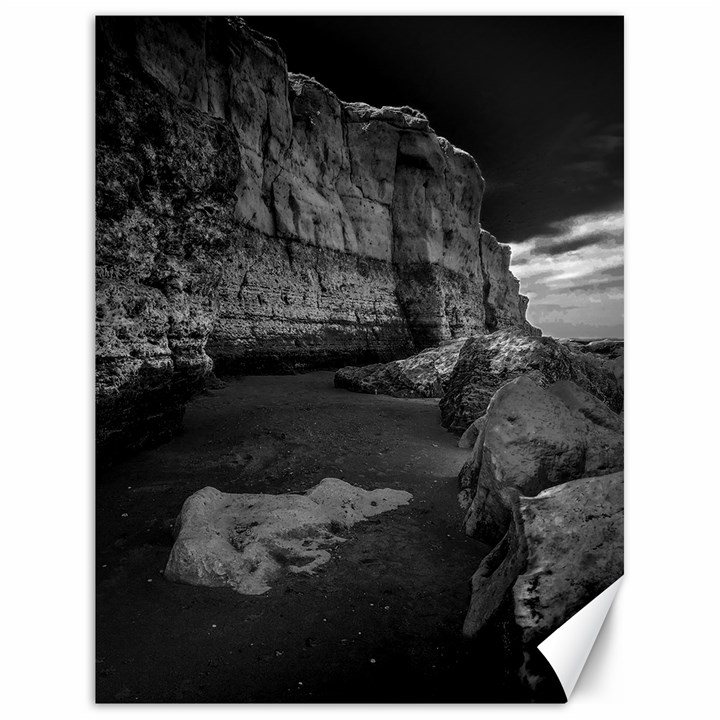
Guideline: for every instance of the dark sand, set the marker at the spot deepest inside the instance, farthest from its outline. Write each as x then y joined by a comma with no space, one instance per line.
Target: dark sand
395,593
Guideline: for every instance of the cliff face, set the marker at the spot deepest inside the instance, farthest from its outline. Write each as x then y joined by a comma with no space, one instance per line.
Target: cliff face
249,216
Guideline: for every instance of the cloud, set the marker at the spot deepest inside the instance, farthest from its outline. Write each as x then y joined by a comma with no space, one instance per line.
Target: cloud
572,172
547,307
617,271
573,273
603,227
581,241
600,284
588,154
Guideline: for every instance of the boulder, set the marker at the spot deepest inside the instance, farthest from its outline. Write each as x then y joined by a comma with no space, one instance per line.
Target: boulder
609,348
612,361
245,541
423,376
562,548
534,438
487,362
605,354
574,539
587,405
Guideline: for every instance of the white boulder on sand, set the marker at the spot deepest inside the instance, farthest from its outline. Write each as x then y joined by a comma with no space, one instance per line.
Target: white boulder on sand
244,541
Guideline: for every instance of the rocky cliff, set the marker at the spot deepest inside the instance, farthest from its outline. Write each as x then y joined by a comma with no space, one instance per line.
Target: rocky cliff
247,216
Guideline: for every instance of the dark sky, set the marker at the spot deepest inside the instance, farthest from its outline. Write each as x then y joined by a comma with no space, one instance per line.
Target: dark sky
538,101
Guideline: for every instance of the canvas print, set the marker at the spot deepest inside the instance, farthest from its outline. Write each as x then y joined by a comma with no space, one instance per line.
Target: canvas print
359,354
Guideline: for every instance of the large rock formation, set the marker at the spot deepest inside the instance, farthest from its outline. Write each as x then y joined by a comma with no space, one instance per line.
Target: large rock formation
531,440
424,375
574,539
249,216
544,485
245,541
487,362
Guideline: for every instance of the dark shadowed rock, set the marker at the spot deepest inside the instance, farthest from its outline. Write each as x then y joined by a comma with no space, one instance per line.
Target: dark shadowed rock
470,471
469,437
488,362
533,440
562,548
424,375
492,583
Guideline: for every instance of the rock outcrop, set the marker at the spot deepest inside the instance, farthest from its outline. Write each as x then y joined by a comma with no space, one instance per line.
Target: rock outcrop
424,375
245,541
249,216
574,539
610,349
487,362
544,486
605,354
533,439
562,548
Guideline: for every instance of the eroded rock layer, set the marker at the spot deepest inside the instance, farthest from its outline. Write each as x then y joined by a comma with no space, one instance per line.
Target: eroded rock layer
249,216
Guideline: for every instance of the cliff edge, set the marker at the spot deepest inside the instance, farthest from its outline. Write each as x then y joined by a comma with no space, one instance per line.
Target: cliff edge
247,217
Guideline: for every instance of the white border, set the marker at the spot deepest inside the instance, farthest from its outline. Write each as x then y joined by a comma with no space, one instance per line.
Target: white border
567,648
658,653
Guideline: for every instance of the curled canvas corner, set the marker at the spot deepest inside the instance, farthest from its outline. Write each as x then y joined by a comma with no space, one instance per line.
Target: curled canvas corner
568,648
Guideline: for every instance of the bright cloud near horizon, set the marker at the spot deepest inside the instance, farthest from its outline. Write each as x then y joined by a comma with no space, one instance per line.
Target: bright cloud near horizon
574,276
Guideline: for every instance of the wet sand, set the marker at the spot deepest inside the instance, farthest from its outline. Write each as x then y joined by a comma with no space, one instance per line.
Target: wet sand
381,622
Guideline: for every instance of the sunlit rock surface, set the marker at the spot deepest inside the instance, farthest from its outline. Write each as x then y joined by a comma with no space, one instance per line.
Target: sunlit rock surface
532,439
487,362
245,541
